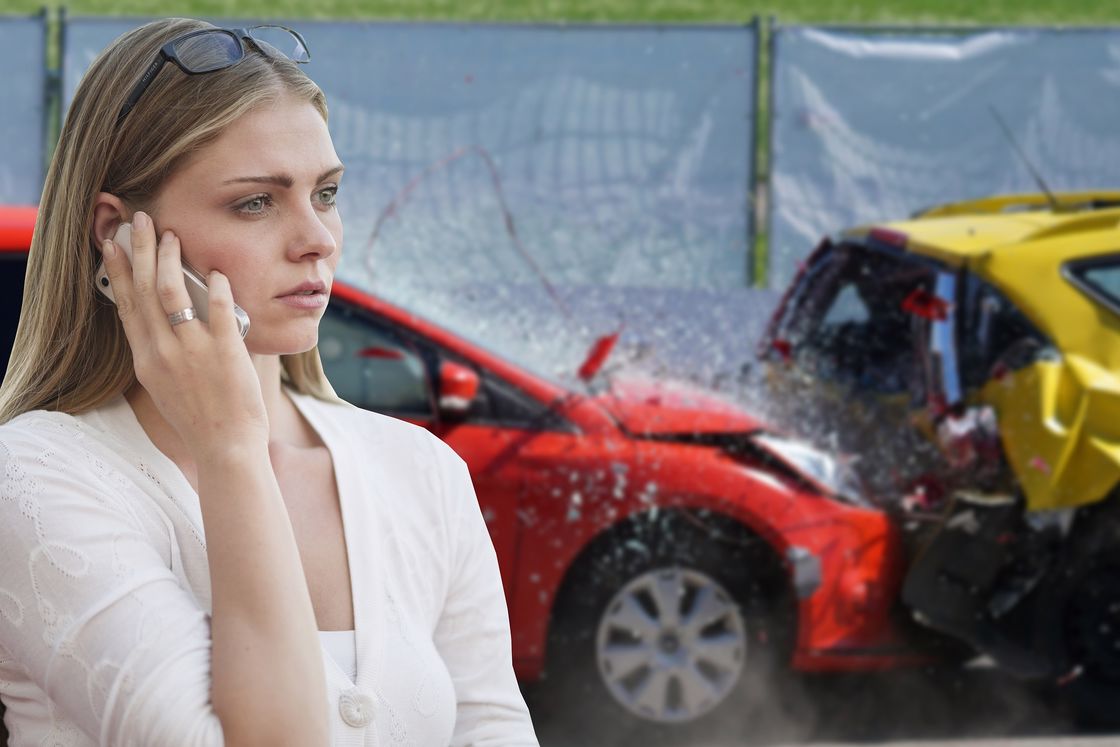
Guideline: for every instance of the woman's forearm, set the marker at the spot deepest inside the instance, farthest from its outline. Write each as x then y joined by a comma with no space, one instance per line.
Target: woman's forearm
268,685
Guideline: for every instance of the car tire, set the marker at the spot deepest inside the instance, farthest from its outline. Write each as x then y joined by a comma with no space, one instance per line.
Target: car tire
669,629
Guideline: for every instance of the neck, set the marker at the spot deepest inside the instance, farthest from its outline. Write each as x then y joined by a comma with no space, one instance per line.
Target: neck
268,371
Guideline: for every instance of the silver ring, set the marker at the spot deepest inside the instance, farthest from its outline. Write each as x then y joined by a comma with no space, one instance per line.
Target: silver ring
182,316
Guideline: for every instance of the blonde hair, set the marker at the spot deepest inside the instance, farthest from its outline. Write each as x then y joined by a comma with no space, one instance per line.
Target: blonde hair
70,352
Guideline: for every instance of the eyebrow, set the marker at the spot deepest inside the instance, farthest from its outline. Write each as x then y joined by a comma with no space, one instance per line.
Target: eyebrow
283,180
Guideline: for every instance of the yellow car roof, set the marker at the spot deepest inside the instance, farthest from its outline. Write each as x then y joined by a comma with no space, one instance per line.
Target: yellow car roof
962,231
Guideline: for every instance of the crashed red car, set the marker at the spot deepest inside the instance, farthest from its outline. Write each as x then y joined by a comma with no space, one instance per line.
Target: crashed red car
658,545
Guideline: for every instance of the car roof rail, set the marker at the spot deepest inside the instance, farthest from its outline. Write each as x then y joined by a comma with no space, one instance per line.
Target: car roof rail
1067,201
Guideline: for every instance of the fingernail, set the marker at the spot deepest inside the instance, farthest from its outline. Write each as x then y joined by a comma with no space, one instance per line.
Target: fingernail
167,235
140,221
108,248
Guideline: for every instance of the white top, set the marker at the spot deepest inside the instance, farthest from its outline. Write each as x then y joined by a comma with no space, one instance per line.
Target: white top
105,590
342,646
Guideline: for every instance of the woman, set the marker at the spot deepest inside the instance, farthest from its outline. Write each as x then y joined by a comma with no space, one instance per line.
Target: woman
199,543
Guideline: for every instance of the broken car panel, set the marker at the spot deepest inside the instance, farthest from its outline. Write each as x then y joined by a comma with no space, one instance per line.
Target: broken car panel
1006,367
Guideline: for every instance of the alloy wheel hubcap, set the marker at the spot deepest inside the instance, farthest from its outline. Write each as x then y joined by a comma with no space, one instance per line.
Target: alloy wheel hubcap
671,645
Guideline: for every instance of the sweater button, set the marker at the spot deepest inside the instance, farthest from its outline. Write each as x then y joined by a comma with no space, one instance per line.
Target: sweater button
356,708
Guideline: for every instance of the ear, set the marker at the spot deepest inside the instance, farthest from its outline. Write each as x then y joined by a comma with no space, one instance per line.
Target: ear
109,211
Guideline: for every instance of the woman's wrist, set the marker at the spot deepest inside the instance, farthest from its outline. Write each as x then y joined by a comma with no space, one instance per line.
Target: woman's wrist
232,454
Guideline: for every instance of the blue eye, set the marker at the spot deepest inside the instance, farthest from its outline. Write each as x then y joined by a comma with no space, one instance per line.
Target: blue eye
327,196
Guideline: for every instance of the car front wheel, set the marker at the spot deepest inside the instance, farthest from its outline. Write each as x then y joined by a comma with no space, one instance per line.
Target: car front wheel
671,645
670,628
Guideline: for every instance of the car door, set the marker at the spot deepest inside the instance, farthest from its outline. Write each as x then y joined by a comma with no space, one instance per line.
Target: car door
500,437
1057,407
383,367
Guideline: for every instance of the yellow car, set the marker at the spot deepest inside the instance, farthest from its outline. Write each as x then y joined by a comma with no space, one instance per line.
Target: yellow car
970,358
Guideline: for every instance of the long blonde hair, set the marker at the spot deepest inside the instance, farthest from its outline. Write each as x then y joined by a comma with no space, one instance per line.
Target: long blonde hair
70,352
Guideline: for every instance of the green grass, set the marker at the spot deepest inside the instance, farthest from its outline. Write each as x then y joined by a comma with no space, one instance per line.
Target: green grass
967,12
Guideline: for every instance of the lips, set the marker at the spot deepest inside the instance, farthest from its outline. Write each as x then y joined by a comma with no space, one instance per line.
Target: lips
306,288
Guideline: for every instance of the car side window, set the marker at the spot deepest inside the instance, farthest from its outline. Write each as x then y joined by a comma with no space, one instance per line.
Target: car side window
1098,278
372,367
1105,278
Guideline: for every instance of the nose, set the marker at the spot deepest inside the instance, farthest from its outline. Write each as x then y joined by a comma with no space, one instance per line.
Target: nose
316,235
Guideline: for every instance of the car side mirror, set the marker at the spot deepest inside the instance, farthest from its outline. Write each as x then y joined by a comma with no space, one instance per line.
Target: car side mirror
458,387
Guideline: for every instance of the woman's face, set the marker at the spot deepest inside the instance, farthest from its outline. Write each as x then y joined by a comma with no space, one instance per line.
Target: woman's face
257,204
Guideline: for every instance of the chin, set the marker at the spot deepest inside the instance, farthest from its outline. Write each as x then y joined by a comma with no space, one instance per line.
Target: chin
277,344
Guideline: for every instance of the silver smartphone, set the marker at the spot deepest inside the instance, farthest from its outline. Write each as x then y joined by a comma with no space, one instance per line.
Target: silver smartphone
196,285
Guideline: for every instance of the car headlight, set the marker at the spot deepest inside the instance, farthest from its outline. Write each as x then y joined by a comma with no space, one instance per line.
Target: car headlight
833,476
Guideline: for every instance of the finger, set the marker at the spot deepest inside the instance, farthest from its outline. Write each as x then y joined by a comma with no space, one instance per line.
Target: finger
120,278
144,265
171,288
223,323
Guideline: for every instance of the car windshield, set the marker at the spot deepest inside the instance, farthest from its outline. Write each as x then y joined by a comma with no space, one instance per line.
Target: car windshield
847,322
851,339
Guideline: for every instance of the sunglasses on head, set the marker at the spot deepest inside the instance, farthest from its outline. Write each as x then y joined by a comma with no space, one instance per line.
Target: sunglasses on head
209,50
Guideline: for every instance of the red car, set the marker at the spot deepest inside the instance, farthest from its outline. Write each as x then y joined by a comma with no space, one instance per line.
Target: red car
658,545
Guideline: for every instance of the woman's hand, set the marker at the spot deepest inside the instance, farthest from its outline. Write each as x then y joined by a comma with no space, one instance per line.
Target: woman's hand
204,384
199,376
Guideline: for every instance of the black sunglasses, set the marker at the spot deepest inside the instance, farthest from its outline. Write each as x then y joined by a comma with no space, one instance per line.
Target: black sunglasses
208,50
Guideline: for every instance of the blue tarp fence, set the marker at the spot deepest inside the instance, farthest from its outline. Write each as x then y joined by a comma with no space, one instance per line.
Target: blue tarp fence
616,162
622,155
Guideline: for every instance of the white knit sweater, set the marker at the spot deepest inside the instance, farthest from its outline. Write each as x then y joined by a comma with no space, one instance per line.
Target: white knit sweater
105,590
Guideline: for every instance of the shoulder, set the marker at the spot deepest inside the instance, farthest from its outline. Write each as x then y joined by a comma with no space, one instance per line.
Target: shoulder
50,462
401,453
70,443
388,435
33,434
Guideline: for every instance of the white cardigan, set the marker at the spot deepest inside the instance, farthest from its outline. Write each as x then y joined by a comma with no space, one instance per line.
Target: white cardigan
105,589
